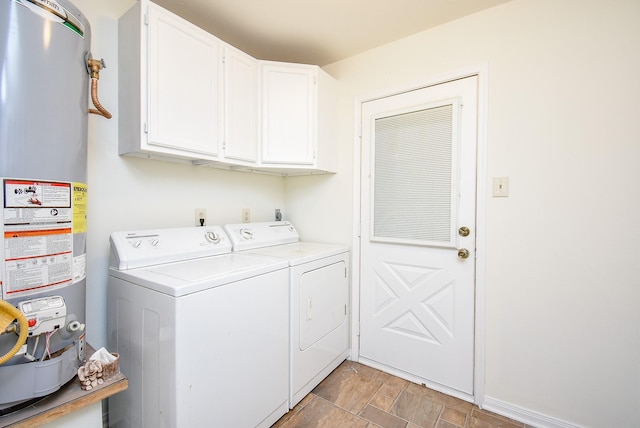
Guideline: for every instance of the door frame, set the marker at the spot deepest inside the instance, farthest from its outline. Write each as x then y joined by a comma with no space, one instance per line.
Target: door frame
481,71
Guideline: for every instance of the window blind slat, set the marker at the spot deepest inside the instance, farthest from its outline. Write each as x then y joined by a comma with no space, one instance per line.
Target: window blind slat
412,175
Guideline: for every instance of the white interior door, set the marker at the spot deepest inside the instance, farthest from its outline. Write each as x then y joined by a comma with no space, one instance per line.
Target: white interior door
417,269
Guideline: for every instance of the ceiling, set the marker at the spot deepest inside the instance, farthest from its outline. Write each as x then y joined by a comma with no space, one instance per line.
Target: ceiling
318,31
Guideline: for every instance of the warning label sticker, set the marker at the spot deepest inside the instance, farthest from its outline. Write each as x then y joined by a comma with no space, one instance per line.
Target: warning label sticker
37,222
37,259
79,208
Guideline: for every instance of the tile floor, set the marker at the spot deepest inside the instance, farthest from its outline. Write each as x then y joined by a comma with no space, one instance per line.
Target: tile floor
358,396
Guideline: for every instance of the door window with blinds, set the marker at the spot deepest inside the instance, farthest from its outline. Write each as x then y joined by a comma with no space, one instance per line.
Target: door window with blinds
415,177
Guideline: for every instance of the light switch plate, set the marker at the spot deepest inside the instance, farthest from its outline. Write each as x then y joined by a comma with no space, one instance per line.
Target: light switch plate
500,187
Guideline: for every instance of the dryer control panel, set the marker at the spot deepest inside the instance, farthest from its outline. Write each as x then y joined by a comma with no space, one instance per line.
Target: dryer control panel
249,236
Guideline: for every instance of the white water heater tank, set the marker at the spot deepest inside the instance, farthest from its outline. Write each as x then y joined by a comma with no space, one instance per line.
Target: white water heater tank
44,90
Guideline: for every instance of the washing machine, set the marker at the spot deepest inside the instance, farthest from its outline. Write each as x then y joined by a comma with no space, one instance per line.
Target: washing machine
319,290
202,332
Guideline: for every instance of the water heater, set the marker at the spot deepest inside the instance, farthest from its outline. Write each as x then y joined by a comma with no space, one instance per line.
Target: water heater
44,92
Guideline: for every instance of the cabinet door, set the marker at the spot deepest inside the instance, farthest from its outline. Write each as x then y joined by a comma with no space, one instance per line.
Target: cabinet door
240,105
288,114
184,77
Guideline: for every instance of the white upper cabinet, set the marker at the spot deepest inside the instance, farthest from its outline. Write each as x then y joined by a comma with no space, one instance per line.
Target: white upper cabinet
240,106
288,113
170,74
298,115
184,85
186,95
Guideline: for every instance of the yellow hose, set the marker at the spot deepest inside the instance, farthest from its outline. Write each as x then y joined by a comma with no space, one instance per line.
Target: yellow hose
15,313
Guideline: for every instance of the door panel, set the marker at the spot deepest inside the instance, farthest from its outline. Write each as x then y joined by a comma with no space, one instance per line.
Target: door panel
240,105
323,300
184,113
418,188
288,114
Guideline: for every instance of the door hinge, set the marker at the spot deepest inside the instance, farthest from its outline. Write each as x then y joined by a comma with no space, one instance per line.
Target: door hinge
345,272
345,309
146,19
146,128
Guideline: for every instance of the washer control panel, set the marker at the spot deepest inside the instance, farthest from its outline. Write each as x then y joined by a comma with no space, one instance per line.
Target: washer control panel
134,249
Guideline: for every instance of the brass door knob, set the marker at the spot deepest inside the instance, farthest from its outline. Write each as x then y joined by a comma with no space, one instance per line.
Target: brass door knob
463,253
464,231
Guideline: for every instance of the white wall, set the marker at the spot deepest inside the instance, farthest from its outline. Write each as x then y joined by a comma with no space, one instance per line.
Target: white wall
129,193
562,278
562,282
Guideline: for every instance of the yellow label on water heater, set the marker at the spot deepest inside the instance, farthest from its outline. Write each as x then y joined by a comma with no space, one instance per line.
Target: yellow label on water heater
79,196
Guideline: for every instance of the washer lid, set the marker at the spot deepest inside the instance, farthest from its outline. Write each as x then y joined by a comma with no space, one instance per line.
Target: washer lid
191,276
301,252
246,236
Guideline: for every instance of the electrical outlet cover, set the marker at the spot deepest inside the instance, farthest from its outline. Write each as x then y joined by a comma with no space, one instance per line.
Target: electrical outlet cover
201,217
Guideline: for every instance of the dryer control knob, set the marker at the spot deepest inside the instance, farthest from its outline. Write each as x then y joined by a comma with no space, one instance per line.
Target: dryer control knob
246,234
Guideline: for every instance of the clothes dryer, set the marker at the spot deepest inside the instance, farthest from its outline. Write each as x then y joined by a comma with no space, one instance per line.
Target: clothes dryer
202,332
319,290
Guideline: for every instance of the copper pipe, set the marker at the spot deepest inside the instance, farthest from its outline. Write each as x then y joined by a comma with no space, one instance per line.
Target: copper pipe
94,98
95,66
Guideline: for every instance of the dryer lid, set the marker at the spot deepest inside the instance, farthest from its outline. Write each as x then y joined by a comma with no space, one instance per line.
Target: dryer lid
302,252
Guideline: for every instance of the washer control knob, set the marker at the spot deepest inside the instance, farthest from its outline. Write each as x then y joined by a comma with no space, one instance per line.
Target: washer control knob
155,242
212,237
136,243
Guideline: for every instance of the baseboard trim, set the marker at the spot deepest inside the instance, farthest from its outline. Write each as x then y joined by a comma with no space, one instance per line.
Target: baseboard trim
524,415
